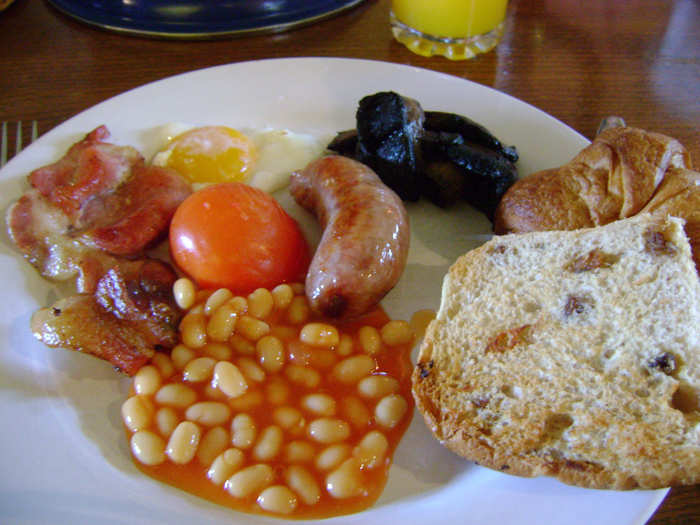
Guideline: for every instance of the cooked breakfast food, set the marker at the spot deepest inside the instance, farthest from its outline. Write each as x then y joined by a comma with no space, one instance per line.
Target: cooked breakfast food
93,208
131,315
365,241
92,215
235,236
624,171
210,154
574,354
442,156
266,407
242,393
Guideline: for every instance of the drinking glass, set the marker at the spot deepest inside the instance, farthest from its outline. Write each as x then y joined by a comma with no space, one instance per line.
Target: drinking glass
456,29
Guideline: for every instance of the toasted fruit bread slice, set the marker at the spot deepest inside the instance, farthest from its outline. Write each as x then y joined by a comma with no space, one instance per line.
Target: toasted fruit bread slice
571,354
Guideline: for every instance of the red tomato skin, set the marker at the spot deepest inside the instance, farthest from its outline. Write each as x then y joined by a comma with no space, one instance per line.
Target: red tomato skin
234,236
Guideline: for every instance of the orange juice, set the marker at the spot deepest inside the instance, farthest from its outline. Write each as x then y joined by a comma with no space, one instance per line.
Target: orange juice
450,18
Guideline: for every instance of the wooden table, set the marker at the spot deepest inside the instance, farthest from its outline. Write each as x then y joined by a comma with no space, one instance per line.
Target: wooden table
578,61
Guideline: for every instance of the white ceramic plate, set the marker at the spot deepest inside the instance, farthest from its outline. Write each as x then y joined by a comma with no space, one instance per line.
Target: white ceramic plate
63,454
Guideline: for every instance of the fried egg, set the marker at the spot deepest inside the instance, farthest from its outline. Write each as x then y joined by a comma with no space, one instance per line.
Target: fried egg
261,158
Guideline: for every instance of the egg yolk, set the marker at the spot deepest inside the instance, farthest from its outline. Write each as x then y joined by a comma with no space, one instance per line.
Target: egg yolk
211,154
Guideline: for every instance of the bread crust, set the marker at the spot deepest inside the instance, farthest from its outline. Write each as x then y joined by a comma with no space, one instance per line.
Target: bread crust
519,377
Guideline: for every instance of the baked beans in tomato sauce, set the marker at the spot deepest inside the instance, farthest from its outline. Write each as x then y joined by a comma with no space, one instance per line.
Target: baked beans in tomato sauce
266,408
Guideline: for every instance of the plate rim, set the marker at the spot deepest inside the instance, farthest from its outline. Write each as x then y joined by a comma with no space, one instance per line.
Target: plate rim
126,26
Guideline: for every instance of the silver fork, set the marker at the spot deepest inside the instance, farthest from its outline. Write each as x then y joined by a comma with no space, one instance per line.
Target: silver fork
5,141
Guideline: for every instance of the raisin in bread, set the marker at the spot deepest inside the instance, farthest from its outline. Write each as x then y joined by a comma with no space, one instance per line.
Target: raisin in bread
573,354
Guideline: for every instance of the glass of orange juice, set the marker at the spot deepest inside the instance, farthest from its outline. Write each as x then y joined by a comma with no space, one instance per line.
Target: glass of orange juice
456,29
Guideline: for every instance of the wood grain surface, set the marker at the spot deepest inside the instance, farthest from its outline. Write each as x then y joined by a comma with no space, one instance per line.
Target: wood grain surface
577,61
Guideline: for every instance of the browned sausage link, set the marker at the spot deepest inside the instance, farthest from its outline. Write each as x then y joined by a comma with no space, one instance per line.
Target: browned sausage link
364,246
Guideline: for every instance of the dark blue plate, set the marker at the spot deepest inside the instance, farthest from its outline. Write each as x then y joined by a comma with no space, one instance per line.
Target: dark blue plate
203,18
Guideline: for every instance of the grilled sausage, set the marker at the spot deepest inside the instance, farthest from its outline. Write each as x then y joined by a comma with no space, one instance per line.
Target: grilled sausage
364,246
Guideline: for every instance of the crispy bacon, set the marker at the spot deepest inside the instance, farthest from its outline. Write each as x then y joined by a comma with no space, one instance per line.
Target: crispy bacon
129,318
91,215
97,202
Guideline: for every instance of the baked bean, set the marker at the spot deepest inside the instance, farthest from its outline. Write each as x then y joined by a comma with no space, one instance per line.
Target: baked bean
355,411
371,450
147,447
241,345
181,355
260,303
319,404
222,323
193,330
304,354
137,412
332,456
287,417
271,354
147,380
298,311
299,452
329,430
282,295
218,351
216,299
184,293
183,443
243,431
229,379
346,481
225,465
277,391
286,333
176,395
250,369
390,410
345,345
352,369
396,333
301,375
250,480
370,340
269,443
164,364
214,442
319,334
252,328
377,386
208,413
198,308
166,421
278,499
198,370
303,483
239,304
249,400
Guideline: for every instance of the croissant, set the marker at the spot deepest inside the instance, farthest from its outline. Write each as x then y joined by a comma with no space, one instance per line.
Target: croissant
624,171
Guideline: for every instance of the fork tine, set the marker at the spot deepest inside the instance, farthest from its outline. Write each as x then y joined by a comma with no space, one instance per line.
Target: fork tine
18,138
35,130
3,145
